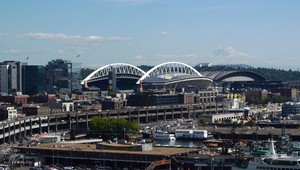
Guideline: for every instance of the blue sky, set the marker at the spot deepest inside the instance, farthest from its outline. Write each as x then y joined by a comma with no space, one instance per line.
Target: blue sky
254,32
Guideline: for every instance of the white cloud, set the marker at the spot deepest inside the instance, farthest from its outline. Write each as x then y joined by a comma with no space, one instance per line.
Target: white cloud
163,33
116,38
92,38
60,51
46,36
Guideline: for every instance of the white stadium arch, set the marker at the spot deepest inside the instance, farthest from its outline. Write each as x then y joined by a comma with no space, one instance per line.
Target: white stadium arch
170,68
120,68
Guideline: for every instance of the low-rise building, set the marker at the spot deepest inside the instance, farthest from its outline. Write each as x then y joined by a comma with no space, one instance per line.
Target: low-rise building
85,105
91,95
150,99
206,96
258,94
223,117
19,99
290,109
291,93
112,103
58,104
232,103
8,113
186,98
35,110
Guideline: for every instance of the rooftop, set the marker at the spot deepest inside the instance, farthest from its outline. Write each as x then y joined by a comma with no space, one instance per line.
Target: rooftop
92,148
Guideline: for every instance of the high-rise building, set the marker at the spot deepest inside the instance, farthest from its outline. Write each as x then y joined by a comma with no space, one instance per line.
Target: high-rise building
10,77
62,76
112,82
34,81
76,77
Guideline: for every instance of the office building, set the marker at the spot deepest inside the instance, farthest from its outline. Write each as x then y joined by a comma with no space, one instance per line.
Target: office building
15,99
34,79
62,76
10,77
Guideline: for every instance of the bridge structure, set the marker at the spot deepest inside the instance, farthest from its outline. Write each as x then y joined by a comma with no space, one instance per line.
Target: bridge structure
126,76
174,75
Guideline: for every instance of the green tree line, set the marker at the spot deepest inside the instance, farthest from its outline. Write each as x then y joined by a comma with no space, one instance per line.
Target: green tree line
274,99
113,125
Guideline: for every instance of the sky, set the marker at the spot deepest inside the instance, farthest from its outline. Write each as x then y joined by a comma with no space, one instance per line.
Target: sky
149,32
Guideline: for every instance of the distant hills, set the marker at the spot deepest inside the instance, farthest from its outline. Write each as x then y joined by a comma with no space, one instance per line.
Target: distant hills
271,74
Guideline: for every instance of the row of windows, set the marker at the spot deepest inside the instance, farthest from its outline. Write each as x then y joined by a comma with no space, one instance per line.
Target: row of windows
183,132
228,118
208,94
207,100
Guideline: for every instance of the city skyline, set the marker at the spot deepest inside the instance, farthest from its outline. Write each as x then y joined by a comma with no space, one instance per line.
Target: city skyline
100,32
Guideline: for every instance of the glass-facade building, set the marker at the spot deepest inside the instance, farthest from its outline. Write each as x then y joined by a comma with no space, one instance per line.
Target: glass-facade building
63,76
34,81
10,77
76,77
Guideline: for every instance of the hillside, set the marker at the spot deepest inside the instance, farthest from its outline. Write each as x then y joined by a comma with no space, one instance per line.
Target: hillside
270,73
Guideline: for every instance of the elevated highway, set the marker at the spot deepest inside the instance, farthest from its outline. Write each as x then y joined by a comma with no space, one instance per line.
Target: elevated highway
12,131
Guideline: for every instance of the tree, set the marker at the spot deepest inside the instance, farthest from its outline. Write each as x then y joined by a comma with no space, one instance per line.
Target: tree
85,72
113,125
250,123
133,126
202,122
145,67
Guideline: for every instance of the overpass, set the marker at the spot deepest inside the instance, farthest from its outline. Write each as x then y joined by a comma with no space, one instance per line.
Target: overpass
12,131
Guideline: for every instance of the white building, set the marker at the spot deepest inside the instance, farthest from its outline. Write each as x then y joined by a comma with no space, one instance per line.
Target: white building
11,112
58,104
232,103
67,106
